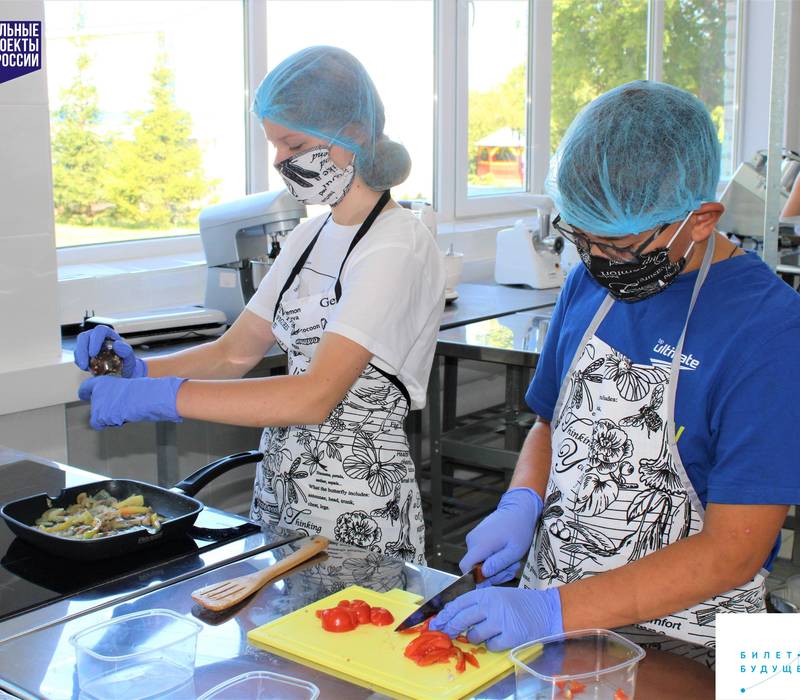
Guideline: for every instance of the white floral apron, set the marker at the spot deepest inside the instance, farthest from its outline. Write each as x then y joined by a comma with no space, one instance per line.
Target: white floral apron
351,478
618,489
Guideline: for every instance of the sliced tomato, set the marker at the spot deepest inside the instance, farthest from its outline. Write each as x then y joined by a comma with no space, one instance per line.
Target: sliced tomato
380,617
471,659
338,620
434,656
461,662
425,642
362,613
620,694
422,627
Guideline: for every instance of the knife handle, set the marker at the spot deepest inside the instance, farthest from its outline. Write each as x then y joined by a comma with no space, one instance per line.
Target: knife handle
477,574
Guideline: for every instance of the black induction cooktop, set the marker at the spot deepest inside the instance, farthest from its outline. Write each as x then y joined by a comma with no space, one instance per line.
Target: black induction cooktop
30,578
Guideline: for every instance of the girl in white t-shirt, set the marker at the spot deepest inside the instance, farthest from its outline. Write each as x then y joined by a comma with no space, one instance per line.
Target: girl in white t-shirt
355,300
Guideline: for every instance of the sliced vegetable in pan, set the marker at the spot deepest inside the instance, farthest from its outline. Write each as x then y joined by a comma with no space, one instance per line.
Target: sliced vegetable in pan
98,516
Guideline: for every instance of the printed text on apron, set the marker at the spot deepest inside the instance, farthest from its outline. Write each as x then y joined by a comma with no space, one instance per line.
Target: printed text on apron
351,478
618,489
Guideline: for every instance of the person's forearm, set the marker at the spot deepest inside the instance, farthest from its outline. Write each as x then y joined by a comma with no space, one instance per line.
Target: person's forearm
666,581
271,401
533,464
206,361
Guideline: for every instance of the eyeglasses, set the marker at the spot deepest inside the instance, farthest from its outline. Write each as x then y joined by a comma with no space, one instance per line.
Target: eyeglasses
584,243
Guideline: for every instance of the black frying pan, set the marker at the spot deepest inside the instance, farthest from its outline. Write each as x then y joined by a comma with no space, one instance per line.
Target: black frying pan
175,504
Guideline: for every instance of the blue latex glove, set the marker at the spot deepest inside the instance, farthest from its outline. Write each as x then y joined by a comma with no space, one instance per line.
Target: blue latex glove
502,538
502,617
90,342
116,400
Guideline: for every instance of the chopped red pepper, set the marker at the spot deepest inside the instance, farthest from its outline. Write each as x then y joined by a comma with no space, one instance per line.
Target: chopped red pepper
462,638
620,694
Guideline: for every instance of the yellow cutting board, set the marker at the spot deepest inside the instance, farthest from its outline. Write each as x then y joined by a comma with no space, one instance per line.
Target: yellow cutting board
372,656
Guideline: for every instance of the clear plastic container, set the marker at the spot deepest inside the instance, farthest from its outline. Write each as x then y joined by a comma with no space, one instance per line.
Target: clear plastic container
137,656
585,665
262,685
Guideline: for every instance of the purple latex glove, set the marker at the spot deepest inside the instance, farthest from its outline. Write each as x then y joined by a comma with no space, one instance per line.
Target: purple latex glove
90,342
504,537
116,400
502,617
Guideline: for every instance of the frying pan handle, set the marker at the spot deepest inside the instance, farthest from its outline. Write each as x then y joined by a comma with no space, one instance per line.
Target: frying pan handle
194,482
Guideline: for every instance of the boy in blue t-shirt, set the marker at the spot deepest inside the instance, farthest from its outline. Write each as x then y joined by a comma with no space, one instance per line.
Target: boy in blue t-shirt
650,493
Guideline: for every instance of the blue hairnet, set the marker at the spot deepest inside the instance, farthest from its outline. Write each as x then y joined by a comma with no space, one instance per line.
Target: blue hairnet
326,92
641,155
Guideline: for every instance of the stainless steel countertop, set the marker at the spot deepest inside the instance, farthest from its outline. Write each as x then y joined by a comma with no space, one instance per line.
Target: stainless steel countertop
41,664
516,339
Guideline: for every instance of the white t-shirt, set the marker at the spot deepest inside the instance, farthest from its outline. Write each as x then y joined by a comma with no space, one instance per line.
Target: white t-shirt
392,290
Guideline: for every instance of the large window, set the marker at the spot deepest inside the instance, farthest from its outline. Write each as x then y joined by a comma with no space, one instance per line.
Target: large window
596,46
700,56
393,39
147,123
496,107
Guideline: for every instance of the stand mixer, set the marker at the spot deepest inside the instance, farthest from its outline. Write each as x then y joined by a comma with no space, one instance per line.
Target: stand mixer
241,239
527,254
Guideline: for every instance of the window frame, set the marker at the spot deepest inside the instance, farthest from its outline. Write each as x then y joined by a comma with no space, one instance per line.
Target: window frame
538,98
450,107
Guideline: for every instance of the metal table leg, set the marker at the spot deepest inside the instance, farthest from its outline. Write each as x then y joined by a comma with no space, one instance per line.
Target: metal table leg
167,453
515,381
435,430
449,413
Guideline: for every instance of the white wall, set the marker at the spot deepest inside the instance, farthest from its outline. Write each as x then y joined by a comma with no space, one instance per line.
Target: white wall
28,280
29,329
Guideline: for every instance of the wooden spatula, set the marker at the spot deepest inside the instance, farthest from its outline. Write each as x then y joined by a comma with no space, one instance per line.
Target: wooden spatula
222,595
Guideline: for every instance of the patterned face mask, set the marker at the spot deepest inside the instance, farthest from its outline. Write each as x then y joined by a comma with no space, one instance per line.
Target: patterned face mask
634,281
313,178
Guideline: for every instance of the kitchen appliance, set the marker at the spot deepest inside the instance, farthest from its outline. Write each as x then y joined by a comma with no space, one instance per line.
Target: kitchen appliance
527,254
175,504
138,327
464,584
241,239
745,194
372,656
31,578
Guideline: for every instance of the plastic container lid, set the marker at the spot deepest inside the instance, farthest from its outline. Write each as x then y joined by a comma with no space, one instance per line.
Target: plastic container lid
262,685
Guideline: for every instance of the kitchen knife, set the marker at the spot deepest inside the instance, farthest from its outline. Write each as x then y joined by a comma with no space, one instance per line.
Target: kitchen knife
466,583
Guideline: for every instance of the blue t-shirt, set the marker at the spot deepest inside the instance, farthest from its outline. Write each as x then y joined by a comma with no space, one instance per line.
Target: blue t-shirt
739,386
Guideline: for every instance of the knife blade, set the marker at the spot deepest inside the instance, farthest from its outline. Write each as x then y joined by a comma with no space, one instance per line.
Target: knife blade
464,584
